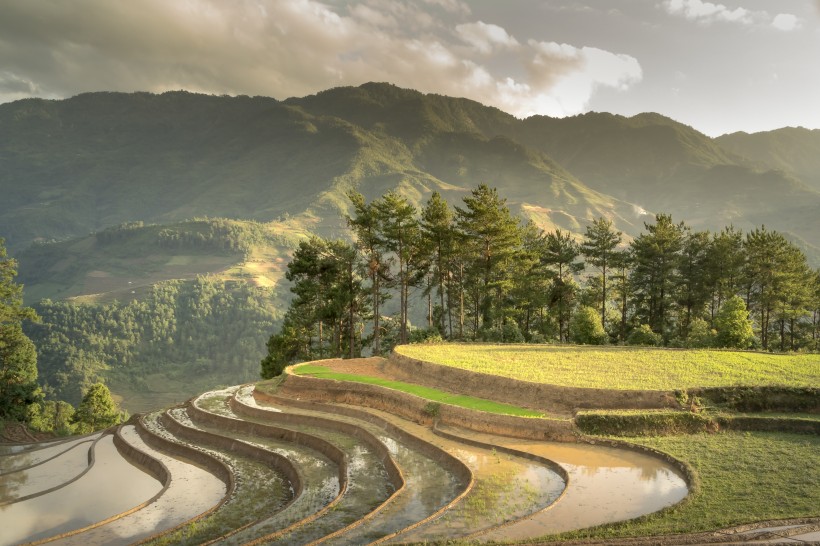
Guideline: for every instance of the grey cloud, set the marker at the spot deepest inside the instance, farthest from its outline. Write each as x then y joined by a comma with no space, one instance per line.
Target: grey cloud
290,47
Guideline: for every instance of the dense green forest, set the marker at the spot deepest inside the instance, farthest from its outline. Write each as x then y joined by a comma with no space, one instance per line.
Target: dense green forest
487,276
206,327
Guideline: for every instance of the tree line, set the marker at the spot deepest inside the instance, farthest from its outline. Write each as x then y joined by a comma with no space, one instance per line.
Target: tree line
480,273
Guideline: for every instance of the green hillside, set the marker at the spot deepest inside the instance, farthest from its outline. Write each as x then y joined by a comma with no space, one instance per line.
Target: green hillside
123,262
102,159
790,149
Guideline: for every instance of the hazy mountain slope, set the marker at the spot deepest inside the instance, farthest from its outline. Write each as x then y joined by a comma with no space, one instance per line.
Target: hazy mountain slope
665,166
83,164
100,159
791,149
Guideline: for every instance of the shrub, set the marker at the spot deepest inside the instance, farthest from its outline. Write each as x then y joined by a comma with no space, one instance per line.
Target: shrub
734,328
427,335
650,423
700,335
643,335
586,327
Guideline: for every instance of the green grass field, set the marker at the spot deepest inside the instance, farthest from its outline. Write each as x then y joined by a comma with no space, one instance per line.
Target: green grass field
433,395
624,368
744,477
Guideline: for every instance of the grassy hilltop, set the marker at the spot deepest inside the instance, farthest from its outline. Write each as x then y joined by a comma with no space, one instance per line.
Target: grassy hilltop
625,368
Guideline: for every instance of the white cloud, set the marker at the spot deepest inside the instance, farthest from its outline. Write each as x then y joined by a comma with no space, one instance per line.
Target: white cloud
287,48
708,12
485,37
786,22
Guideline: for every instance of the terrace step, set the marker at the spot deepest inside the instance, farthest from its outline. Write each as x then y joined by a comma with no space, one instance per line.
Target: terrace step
429,485
270,492
373,482
484,506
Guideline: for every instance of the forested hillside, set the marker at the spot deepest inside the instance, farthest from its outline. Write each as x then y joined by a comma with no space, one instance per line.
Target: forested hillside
190,334
99,192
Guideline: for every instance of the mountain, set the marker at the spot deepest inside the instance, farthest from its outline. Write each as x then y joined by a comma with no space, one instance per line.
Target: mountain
97,160
790,149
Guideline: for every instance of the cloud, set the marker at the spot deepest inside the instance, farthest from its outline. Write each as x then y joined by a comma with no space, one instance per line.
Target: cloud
282,48
708,12
786,22
485,37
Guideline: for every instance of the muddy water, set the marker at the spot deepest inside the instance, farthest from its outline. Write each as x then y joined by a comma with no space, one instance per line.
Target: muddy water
606,484
111,486
25,458
51,473
319,475
429,486
192,491
506,488
368,483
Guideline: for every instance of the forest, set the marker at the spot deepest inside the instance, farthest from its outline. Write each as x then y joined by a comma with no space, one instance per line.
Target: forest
205,326
485,275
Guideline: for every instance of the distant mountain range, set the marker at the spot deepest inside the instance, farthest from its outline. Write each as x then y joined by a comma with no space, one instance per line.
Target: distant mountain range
84,164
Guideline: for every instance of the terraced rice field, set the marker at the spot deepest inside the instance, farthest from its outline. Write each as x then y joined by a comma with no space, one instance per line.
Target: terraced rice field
291,463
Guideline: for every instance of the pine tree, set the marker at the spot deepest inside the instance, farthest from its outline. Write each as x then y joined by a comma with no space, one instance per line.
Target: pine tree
560,253
437,233
656,260
490,235
18,357
97,410
693,292
367,229
400,229
598,247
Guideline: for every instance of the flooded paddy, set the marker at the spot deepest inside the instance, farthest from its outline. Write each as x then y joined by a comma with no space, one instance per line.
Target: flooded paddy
429,486
506,488
368,482
23,458
261,491
111,486
52,472
192,491
606,484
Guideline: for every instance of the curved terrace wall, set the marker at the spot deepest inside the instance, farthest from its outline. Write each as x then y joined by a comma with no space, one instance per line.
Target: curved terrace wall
452,464
418,409
539,396
393,471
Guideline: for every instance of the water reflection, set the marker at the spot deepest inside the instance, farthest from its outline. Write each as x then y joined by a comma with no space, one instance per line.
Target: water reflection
606,484
49,474
111,486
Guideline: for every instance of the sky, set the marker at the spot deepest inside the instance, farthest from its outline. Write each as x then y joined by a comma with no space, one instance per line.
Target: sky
740,65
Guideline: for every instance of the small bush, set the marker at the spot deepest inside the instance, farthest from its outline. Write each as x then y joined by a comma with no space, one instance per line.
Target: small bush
586,328
643,335
427,335
700,335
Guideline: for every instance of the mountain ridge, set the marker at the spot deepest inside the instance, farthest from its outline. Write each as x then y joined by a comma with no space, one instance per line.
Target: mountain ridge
96,160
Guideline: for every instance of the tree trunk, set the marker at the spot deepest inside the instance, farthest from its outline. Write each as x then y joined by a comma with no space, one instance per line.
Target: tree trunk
377,350
603,296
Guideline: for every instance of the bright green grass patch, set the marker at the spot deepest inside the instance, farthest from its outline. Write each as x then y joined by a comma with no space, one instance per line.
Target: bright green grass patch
434,395
624,368
744,477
